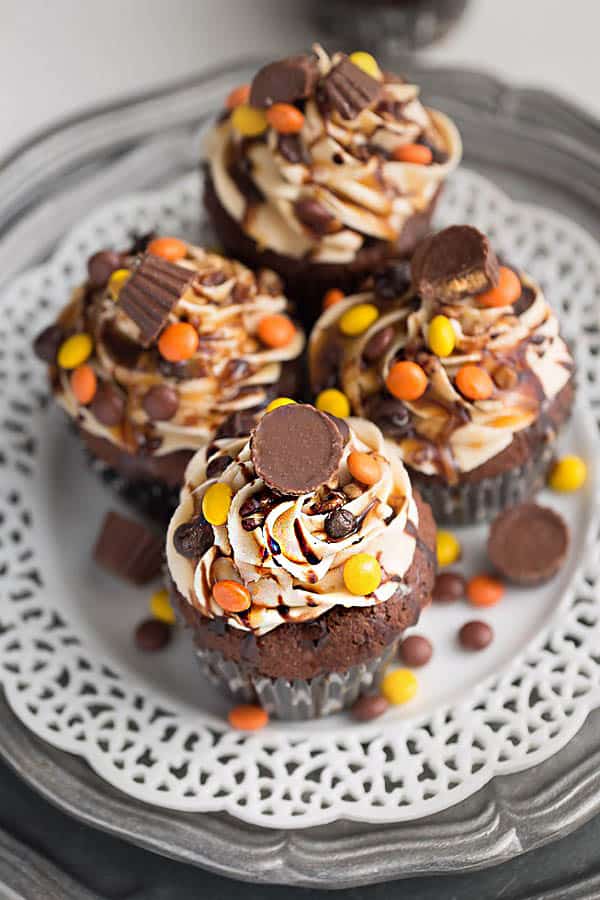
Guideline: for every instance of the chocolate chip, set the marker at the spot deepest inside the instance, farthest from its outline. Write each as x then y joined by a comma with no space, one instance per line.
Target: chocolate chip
392,281
454,263
340,523
152,635
448,587
293,148
296,448
314,215
193,539
46,344
217,465
368,707
128,549
151,293
416,651
101,266
161,402
108,405
528,543
256,508
389,414
284,81
378,344
476,635
349,90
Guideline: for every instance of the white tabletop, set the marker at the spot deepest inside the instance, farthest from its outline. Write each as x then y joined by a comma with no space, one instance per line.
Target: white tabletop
58,58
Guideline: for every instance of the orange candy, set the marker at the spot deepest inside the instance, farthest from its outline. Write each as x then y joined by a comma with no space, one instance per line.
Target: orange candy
406,380
363,467
285,118
506,292
231,596
483,590
84,384
474,383
414,153
170,248
248,717
276,330
178,342
332,296
238,95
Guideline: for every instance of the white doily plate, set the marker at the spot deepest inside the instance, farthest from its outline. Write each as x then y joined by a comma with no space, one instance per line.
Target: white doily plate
149,726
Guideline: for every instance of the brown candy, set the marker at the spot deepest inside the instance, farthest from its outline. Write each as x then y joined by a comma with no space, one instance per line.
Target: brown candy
349,90
528,543
296,448
378,344
368,707
284,81
151,293
389,414
128,549
448,587
505,378
46,344
476,635
108,405
454,263
161,402
193,539
315,216
152,635
293,148
101,266
416,651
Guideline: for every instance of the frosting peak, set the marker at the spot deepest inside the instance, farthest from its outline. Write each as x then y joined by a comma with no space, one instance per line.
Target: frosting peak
345,176
282,548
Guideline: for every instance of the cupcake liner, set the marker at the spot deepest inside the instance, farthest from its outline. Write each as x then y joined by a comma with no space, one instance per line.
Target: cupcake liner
470,503
153,499
297,699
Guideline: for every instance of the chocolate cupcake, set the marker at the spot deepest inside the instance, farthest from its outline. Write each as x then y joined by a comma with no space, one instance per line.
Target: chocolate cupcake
295,578
322,168
465,370
159,348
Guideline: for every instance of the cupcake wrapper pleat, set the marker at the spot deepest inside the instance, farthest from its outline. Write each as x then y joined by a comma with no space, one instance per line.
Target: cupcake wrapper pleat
482,501
297,699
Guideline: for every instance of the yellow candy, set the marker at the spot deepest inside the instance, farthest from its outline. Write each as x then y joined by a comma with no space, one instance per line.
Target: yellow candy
367,63
116,282
333,402
277,402
355,321
441,336
362,574
568,474
216,503
399,686
448,548
161,608
249,121
74,351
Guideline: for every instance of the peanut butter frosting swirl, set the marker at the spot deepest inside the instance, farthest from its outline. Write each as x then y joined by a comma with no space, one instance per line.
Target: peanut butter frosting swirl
232,369
444,432
341,181
279,547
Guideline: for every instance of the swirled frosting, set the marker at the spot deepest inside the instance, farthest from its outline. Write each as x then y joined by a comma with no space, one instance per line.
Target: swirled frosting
232,370
443,432
346,166
291,567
